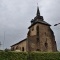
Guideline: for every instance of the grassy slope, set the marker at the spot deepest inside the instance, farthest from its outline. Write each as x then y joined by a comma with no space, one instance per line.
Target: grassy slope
30,56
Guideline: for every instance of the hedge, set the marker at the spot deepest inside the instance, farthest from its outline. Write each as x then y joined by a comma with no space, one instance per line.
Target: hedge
29,56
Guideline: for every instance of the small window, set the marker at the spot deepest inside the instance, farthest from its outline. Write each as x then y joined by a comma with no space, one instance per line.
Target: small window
22,48
46,45
38,50
32,28
37,28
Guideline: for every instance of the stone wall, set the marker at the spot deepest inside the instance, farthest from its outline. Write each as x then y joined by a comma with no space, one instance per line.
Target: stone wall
19,47
44,42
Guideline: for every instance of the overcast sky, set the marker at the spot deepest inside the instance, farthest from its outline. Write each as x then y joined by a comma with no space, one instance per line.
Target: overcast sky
15,17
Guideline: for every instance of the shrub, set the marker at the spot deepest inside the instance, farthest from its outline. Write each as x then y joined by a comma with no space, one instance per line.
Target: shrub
29,56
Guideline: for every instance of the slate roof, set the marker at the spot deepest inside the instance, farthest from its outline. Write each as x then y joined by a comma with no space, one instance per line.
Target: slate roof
40,22
19,42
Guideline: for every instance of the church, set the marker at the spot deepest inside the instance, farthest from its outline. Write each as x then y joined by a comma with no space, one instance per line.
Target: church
40,37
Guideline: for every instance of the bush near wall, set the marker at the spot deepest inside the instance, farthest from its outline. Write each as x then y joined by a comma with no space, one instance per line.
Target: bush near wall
29,56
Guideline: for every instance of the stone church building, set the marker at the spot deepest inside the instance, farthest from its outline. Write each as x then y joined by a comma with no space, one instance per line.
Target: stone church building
40,37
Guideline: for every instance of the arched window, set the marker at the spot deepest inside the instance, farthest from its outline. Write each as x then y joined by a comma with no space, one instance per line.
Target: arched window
38,50
37,32
46,45
22,48
17,47
32,28
37,28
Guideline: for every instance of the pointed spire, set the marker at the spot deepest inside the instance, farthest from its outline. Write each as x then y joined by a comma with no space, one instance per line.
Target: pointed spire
38,12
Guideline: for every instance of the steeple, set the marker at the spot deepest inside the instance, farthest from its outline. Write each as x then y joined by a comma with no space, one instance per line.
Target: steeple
38,12
38,19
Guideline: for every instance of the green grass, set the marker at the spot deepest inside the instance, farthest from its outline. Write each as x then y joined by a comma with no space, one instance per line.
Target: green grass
30,56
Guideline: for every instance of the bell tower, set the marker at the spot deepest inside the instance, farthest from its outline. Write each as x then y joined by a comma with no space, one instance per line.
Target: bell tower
40,36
